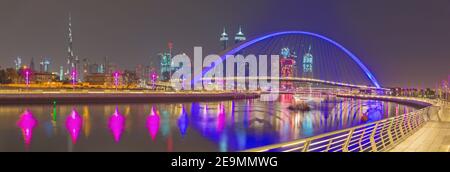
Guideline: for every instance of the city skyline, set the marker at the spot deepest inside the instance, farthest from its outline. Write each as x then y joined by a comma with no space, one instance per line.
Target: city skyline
133,33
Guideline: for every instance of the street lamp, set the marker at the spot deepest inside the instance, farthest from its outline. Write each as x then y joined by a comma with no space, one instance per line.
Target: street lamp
116,76
153,78
74,77
27,73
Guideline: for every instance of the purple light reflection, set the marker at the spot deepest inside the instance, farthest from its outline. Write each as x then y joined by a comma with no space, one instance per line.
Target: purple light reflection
183,121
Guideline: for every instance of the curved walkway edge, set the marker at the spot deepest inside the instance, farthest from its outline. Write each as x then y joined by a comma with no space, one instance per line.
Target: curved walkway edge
434,136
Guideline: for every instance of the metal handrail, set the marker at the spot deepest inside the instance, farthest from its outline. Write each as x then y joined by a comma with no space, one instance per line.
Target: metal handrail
376,136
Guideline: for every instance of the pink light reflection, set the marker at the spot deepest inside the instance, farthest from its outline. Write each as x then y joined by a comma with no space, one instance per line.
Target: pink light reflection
74,123
153,123
26,123
116,124
221,117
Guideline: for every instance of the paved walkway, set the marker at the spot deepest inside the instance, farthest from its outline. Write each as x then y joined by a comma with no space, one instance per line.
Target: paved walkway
434,136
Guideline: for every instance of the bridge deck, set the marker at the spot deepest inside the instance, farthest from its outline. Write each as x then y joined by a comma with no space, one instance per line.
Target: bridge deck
434,136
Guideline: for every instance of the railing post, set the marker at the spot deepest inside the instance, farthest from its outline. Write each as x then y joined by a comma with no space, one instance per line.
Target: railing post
372,138
306,146
329,145
382,135
391,140
409,120
401,126
360,140
347,141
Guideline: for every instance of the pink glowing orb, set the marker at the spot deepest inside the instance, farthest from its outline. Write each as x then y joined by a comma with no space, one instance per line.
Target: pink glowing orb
26,123
74,123
154,76
153,123
116,124
116,75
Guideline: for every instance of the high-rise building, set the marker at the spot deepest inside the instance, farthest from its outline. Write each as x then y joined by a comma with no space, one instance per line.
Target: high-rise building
308,64
72,60
85,68
105,66
165,66
166,62
240,37
18,63
61,73
224,39
45,65
32,64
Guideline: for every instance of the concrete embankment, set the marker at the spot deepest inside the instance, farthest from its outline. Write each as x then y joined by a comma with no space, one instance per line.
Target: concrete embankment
45,98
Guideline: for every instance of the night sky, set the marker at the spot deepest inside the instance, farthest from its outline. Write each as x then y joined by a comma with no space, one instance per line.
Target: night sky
404,42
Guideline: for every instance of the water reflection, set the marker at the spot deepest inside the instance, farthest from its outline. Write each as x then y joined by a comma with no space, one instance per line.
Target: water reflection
26,123
116,124
73,125
153,123
195,126
183,121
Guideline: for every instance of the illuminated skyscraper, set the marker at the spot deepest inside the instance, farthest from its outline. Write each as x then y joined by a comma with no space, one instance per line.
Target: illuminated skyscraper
18,63
240,37
32,64
72,60
165,66
166,62
224,39
45,65
287,66
61,73
308,64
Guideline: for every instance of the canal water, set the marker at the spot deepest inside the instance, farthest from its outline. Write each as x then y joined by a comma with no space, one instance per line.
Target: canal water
173,127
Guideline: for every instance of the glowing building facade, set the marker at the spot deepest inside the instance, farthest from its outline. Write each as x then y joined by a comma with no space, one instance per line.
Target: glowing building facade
287,66
308,64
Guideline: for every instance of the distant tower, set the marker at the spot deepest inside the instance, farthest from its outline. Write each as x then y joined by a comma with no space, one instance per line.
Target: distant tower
166,62
308,64
44,65
70,58
32,64
105,67
240,37
224,39
61,73
165,66
86,65
18,63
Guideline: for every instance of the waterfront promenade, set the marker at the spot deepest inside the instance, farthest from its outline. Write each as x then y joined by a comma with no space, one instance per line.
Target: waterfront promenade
434,136
112,96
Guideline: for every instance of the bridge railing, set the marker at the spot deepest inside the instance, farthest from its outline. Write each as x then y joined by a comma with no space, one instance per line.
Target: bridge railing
372,137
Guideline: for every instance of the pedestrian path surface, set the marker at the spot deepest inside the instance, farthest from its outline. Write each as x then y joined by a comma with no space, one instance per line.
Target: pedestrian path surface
434,136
